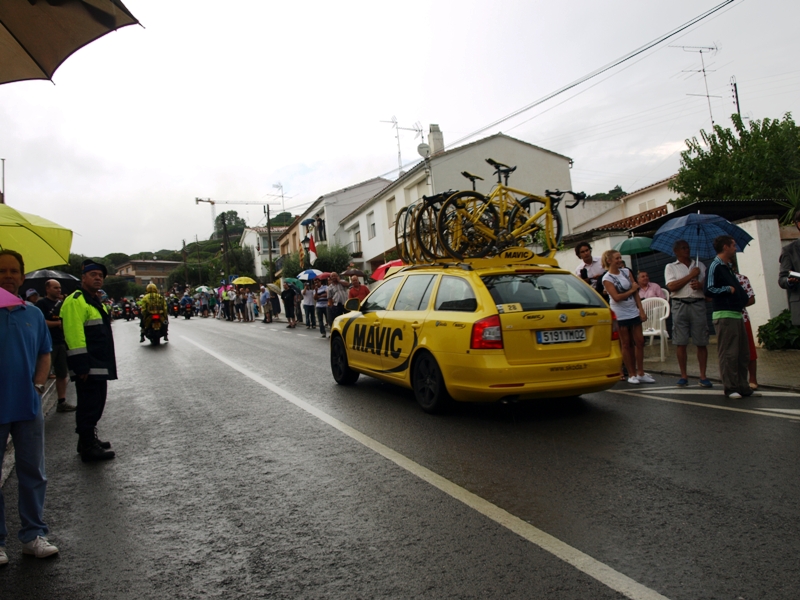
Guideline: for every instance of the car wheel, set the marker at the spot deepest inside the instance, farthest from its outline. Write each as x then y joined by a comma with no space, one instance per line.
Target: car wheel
428,384
342,373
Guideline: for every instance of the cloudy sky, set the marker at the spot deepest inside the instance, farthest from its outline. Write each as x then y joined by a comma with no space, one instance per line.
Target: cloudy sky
224,100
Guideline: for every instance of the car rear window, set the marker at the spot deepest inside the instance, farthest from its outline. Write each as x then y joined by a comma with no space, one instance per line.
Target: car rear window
541,291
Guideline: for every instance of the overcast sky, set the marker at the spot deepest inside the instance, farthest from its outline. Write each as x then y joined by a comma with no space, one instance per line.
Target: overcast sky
225,99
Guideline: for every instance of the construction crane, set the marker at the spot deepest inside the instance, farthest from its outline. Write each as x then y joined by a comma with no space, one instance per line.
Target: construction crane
213,204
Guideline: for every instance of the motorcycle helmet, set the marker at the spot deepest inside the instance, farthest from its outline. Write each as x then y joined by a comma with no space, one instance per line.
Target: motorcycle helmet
151,288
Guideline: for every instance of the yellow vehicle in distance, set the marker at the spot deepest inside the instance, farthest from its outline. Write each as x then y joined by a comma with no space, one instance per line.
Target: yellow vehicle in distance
512,327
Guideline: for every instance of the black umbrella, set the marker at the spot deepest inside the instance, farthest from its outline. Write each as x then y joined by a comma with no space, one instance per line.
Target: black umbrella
37,279
36,36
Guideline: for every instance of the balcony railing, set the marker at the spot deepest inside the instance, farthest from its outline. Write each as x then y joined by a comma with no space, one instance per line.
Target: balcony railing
354,248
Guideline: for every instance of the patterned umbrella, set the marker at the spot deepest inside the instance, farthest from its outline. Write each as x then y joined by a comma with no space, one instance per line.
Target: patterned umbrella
699,231
309,274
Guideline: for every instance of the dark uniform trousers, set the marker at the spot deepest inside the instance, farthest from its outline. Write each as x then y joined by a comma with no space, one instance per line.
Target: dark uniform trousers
91,402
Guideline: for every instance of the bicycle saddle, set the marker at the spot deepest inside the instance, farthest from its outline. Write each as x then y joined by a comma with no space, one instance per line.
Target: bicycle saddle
470,176
500,166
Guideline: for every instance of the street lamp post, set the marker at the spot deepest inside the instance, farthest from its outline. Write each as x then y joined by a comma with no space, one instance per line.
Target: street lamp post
306,244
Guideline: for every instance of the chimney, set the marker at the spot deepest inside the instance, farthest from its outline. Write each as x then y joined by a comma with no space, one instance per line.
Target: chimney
436,140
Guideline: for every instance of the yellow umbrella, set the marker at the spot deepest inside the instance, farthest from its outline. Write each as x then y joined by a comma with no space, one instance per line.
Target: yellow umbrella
244,281
41,243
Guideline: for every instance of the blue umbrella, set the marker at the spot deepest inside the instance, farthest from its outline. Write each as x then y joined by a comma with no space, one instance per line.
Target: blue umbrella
307,222
699,231
309,274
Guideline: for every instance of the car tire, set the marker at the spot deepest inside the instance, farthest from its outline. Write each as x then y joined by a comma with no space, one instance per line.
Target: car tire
340,368
428,384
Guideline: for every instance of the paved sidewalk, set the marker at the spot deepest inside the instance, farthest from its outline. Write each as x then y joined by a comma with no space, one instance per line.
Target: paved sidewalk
776,368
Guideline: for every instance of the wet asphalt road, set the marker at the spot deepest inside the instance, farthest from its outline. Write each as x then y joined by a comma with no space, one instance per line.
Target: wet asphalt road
225,488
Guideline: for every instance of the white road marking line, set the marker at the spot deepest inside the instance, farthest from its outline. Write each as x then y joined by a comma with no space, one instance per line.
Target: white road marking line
583,562
302,334
711,392
761,412
788,411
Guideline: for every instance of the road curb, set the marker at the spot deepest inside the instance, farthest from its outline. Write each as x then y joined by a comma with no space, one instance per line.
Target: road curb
48,403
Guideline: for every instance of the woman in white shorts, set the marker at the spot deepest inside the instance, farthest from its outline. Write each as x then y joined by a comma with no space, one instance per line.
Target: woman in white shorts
627,306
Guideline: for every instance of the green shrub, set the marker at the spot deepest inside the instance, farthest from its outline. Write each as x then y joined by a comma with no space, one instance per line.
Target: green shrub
779,333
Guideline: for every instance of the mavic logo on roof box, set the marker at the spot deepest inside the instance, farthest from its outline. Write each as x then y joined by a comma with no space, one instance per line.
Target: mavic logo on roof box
517,254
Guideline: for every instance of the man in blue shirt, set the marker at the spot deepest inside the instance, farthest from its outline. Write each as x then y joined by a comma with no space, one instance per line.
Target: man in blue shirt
24,367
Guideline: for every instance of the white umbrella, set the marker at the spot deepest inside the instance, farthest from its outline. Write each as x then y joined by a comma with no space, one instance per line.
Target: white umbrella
309,274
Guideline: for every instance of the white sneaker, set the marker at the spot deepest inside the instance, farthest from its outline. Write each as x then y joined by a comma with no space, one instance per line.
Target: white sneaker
39,547
735,396
645,379
633,380
3,556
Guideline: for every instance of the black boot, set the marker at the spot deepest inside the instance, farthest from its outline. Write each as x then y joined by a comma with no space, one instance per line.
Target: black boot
91,451
89,439
141,337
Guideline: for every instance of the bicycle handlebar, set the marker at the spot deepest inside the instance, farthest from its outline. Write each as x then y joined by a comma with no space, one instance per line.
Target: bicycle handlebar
557,195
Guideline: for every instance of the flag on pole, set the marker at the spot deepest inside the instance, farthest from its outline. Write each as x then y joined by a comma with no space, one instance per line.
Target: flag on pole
312,251
302,254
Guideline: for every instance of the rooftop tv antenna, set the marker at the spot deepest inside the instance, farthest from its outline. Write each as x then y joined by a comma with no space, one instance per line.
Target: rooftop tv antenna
417,128
702,50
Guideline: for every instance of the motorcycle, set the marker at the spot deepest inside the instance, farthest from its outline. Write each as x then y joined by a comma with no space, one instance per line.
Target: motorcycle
155,330
127,312
116,312
188,310
175,309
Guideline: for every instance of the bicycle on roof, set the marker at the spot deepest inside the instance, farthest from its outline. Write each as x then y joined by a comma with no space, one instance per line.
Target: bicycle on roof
471,225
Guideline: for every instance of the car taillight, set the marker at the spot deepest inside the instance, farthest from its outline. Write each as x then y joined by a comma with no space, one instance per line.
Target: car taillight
614,327
487,334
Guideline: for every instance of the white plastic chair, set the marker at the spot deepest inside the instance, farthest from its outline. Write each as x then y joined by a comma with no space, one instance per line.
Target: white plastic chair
657,311
666,294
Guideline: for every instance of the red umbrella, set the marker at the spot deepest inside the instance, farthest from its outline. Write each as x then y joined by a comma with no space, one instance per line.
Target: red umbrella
323,275
380,272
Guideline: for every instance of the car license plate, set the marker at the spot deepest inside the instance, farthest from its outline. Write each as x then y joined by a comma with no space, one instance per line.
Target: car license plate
561,336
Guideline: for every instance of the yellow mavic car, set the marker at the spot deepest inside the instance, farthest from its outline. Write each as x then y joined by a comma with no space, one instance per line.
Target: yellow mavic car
486,331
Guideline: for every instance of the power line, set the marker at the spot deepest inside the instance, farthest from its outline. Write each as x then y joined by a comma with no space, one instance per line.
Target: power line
599,71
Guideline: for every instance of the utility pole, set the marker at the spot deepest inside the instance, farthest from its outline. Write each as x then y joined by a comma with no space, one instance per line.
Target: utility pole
199,267
735,89
269,243
225,247
185,266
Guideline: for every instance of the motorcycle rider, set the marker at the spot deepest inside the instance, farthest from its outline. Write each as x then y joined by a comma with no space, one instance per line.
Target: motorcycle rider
153,303
187,304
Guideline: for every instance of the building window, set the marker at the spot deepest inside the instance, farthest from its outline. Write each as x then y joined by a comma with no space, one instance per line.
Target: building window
371,225
390,211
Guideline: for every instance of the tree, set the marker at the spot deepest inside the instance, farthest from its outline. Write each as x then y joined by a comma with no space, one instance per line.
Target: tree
613,194
283,219
332,258
760,160
234,222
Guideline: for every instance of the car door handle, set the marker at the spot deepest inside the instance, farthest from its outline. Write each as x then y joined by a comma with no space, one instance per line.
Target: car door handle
416,325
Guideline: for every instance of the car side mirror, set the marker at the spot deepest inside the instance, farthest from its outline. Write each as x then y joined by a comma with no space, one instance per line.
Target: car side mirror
352,305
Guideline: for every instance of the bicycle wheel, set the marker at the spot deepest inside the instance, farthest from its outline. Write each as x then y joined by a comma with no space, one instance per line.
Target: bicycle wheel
467,225
535,235
425,231
412,247
400,232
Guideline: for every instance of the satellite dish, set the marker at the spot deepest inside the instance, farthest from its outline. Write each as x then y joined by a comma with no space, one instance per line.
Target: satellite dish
424,150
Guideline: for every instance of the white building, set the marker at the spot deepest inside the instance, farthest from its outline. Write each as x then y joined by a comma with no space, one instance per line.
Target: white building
371,225
257,239
324,214
641,201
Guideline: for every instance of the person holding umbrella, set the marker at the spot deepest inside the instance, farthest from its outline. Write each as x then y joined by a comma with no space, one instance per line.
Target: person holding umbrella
684,279
25,356
50,305
728,299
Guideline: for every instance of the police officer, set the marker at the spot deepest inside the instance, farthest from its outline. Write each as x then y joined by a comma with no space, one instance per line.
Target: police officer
90,355
153,304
